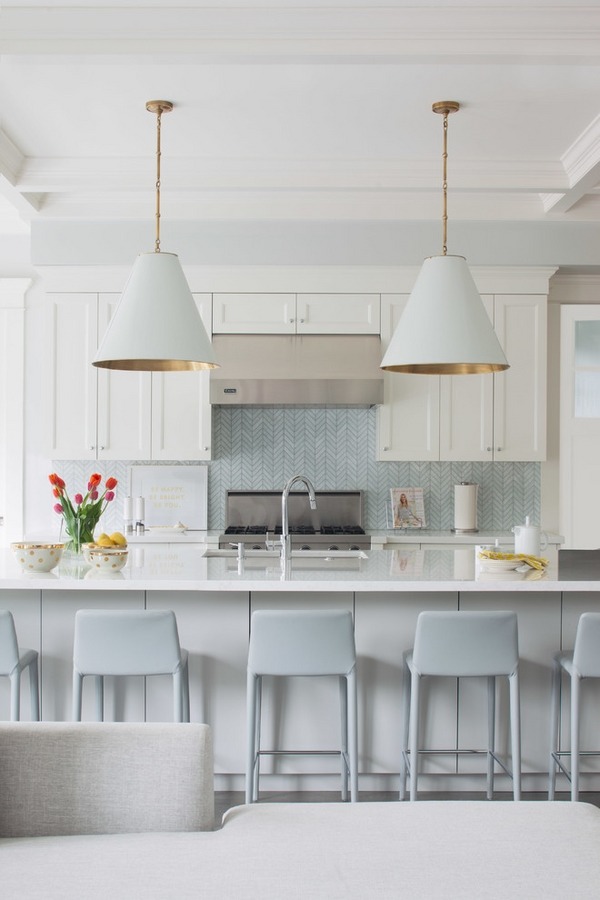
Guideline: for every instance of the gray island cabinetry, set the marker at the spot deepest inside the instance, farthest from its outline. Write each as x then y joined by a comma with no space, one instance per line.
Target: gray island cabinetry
213,601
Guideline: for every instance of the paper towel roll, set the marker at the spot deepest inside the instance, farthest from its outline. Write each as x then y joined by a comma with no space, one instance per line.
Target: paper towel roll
465,506
140,509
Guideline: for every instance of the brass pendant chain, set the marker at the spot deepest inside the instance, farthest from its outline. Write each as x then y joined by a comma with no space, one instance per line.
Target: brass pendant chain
158,107
445,107
158,121
444,186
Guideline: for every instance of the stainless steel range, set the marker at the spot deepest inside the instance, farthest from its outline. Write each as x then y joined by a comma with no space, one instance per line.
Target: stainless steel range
254,519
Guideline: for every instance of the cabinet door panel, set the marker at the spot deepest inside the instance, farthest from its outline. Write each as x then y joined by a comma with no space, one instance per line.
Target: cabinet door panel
254,313
72,340
338,314
539,636
574,604
385,628
25,607
467,412
408,421
124,697
213,628
181,411
123,403
300,713
520,391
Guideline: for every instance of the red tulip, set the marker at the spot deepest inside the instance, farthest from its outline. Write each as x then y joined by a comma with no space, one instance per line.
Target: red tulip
56,492
95,480
111,483
56,480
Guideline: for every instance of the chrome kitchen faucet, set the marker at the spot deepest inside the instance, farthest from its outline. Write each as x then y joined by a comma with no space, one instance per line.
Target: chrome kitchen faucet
286,546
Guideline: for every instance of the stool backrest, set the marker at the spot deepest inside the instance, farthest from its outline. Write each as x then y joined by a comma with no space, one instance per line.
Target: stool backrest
9,648
126,642
466,643
586,656
301,642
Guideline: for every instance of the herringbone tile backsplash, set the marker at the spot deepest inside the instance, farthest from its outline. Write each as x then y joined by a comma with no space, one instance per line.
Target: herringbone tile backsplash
259,449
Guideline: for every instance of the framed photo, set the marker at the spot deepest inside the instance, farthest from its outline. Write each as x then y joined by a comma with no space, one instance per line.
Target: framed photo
408,508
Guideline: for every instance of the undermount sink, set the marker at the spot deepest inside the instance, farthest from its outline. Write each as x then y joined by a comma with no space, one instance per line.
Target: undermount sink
324,555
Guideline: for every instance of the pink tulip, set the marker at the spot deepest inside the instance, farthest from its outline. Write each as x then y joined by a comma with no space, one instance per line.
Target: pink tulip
94,495
78,499
58,508
110,495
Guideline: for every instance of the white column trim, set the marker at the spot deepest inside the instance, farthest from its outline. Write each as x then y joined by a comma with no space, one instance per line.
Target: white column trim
12,390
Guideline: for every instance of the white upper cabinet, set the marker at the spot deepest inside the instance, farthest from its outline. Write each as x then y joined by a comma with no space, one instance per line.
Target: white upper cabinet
102,414
181,411
408,422
495,417
296,314
94,413
123,422
520,392
338,314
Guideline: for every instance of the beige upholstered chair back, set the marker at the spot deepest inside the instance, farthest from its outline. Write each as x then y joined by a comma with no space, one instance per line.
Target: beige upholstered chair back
104,778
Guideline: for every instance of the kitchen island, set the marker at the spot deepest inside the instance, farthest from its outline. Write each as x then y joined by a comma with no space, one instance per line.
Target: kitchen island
213,598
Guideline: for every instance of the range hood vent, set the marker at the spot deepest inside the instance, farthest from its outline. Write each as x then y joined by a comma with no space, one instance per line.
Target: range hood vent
297,370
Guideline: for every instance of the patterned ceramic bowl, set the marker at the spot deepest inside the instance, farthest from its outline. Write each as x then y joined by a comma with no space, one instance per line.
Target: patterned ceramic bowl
35,557
105,559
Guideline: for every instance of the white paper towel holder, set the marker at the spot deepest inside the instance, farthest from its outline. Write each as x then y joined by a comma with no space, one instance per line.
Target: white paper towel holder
471,526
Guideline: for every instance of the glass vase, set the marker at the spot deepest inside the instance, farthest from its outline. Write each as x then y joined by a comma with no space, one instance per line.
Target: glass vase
75,535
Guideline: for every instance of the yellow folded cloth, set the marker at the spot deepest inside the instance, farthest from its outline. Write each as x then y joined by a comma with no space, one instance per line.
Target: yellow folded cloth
536,562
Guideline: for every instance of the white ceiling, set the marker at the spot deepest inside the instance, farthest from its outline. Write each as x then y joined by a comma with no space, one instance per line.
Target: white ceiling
305,111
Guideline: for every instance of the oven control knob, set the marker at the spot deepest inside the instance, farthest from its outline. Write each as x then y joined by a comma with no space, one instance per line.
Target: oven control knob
333,547
305,547
354,547
256,547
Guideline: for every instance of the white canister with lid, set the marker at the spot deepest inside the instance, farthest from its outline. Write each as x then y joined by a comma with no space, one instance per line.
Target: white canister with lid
529,539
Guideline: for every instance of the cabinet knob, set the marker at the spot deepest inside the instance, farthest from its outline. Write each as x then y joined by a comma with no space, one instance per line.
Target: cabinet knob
302,321
291,321
206,448
489,449
101,447
92,447
498,449
386,448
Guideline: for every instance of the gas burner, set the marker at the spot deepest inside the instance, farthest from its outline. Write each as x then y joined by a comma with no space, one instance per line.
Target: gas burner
297,529
246,529
342,529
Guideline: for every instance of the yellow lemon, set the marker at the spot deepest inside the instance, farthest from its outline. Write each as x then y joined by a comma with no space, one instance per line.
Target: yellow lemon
118,539
104,540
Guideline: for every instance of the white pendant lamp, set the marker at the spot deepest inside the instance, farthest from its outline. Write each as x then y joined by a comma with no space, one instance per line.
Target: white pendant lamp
156,326
444,329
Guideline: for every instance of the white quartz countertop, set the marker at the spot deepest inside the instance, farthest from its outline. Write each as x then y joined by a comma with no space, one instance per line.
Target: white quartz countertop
186,568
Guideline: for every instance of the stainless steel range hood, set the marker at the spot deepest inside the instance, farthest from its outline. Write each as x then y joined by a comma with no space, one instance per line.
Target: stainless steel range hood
297,370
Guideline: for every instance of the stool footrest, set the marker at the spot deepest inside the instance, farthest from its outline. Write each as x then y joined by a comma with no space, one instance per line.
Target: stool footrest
492,753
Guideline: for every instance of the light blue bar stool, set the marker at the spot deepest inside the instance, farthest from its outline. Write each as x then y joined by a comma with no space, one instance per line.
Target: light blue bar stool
128,642
462,644
306,643
13,661
582,662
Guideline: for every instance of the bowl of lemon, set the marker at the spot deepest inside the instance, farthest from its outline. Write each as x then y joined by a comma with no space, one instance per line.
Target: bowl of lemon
108,553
